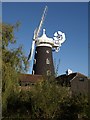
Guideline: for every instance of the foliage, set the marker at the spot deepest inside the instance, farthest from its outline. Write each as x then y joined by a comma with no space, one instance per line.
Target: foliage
56,66
51,101
74,106
15,57
46,97
46,101
13,62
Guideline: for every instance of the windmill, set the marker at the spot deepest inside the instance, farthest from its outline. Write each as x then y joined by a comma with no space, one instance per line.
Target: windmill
43,47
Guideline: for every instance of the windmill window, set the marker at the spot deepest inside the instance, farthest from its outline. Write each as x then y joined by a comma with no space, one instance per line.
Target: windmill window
34,61
47,51
48,72
33,72
47,61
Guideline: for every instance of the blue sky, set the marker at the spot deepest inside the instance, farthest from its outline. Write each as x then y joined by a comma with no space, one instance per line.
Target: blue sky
71,18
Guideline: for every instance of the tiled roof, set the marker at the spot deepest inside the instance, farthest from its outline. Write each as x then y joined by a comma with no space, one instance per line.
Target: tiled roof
70,77
29,78
64,76
66,79
79,75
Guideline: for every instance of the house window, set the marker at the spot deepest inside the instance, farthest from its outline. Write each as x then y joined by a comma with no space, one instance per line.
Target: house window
47,61
81,79
26,84
32,84
48,72
20,83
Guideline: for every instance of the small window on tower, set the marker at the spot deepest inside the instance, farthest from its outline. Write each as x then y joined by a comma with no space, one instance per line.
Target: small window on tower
47,51
34,61
48,72
33,72
47,61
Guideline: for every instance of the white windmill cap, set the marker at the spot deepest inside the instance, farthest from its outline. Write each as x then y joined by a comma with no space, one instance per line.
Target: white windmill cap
44,36
44,39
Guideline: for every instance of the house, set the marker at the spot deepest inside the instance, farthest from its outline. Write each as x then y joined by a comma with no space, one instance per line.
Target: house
77,82
28,80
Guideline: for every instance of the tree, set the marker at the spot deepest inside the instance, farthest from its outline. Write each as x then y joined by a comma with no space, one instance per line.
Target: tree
13,62
15,57
46,96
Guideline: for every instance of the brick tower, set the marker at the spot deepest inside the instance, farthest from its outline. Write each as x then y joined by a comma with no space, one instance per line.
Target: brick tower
43,60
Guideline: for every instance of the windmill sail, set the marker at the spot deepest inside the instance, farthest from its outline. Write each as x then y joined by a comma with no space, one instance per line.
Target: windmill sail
36,33
41,22
32,49
29,55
